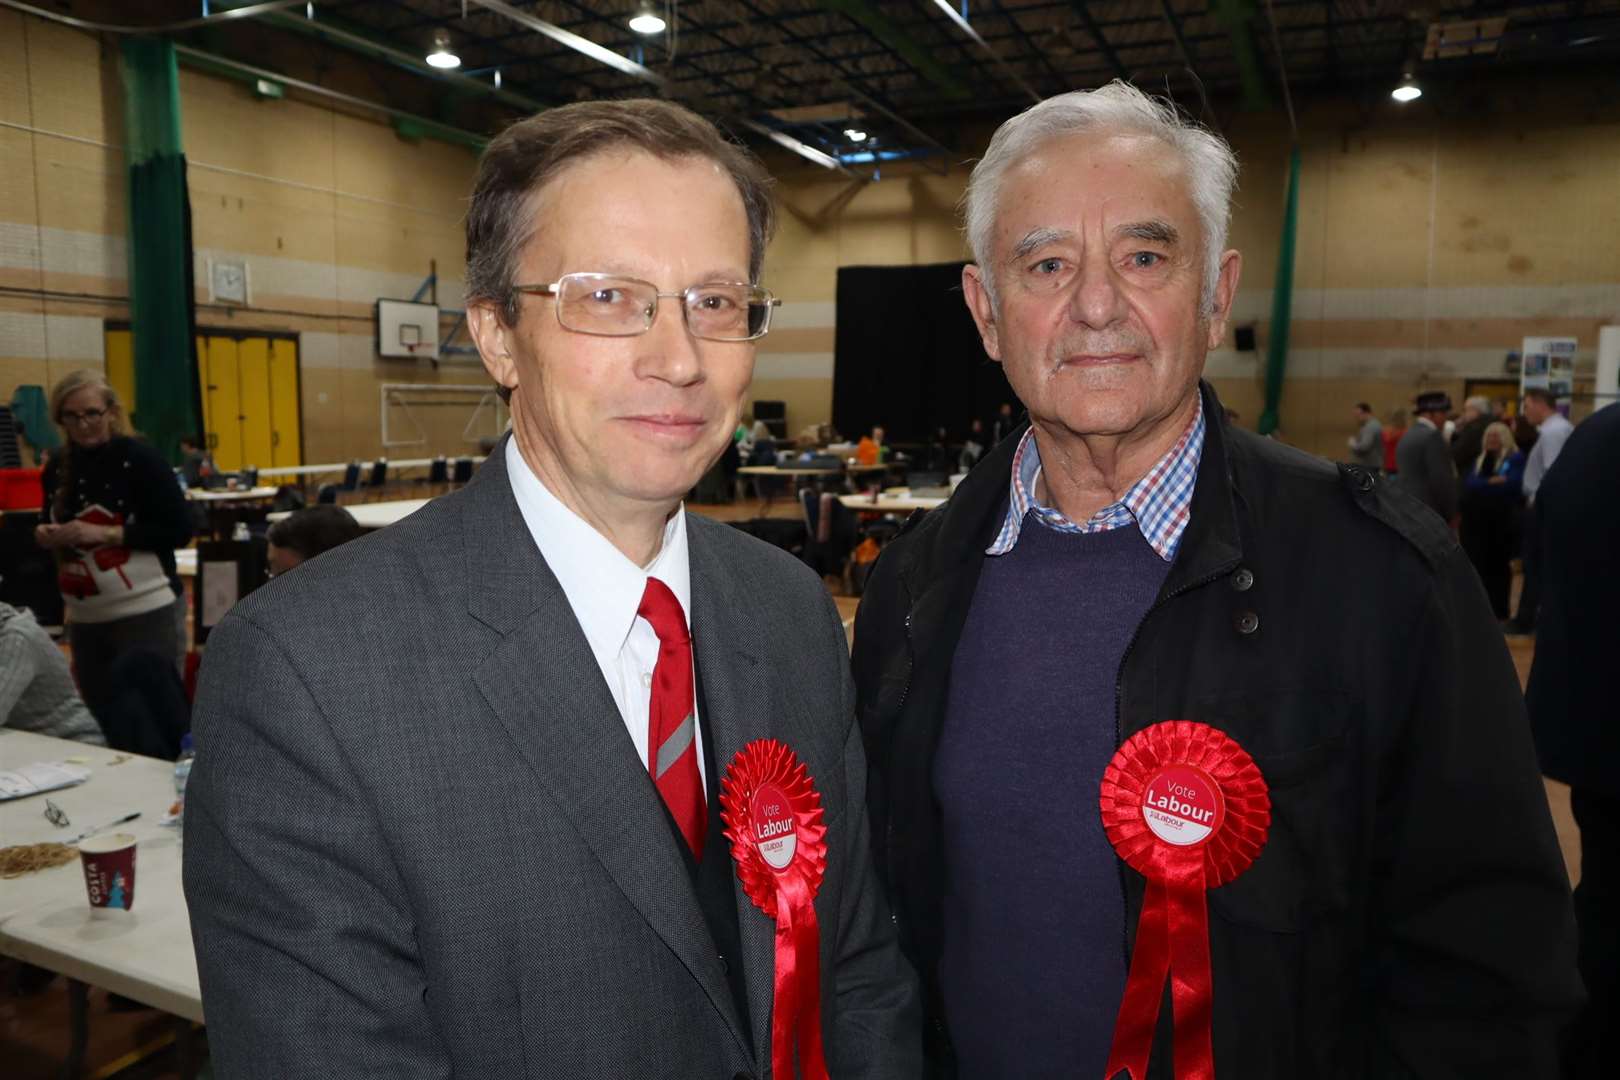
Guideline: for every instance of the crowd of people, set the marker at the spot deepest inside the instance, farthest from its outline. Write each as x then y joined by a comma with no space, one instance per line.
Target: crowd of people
1479,470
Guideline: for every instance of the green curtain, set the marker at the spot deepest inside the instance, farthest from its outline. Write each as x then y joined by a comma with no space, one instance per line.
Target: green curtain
1282,304
162,311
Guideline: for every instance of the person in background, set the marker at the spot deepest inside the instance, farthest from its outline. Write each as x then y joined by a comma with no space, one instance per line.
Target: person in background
870,450
306,533
1572,707
114,517
1392,439
1425,468
1469,437
1490,513
196,463
1499,409
36,688
973,446
1367,444
1552,431
1002,424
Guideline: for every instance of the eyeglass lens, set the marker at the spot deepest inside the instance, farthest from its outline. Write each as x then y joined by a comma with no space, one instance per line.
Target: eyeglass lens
614,306
89,416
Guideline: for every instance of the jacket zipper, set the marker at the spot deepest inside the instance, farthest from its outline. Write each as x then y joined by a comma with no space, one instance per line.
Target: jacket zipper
1119,721
905,692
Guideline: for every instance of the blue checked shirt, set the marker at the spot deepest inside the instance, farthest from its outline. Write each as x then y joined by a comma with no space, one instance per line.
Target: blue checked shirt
1158,504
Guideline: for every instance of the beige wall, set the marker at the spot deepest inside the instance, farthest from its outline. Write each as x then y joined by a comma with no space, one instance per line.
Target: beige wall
1428,246
1427,249
328,211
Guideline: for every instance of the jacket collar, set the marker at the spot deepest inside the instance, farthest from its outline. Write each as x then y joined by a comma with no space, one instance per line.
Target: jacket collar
958,532
540,680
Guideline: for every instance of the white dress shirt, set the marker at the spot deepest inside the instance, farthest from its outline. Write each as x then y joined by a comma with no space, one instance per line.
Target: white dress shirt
604,588
1551,434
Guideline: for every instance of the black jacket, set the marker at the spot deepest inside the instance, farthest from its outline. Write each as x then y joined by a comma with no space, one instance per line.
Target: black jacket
1571,691
1410,913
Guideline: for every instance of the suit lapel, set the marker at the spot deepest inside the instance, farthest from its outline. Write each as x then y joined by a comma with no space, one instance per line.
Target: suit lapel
543,683
740,692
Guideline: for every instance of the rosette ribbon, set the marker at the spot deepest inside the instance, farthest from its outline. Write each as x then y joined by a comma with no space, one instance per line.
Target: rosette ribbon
1186,807
773,819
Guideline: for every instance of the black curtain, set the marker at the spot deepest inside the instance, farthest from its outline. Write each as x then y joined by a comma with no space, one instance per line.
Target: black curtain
907,355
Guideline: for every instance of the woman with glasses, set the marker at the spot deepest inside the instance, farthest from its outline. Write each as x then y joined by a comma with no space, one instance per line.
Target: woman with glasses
113,516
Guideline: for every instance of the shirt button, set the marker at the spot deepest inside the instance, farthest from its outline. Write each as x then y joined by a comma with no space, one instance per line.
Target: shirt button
1247,622
1243,579
646,679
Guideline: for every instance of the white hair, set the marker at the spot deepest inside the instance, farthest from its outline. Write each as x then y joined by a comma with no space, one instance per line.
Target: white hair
1116,108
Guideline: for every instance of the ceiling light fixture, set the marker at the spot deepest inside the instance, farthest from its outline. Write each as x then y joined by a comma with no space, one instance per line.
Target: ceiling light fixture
854,134
1408,90
441,57
647,21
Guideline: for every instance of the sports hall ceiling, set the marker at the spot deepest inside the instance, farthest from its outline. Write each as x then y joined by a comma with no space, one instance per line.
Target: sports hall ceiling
909,76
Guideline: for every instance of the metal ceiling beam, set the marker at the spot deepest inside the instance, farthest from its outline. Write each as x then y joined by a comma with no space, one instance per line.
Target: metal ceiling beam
154,28
1187,58
967,28
908,47
1084,11
344,38
575,42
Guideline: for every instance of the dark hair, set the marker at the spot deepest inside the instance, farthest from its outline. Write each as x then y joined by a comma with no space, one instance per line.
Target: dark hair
1542,395
527,155
1364,407
313,530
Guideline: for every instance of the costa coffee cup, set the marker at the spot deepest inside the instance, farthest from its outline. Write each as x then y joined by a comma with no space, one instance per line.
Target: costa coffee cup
109,870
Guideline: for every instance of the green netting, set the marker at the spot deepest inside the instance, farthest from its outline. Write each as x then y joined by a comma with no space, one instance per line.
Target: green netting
1282,304
161,310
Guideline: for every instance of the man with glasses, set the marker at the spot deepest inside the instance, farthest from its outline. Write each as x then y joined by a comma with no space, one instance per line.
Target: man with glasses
456,808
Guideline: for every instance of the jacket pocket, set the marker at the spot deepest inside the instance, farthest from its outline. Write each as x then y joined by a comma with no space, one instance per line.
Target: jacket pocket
1297,737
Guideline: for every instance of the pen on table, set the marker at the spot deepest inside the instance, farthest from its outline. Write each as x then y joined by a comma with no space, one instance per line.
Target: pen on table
99,828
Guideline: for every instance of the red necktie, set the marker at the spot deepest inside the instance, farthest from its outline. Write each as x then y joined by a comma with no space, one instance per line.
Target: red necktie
671,721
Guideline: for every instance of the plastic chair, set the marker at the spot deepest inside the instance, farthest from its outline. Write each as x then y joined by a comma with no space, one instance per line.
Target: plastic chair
379,473
351,476
464,470
249,476
328,494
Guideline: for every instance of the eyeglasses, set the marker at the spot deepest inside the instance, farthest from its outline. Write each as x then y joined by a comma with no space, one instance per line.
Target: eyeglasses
611,306
55,815
89,416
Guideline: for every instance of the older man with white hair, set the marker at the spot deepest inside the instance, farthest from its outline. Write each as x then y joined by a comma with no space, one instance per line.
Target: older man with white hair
1383,893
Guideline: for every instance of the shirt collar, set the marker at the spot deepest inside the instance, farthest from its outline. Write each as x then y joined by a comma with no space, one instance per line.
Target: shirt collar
603,587
1159,504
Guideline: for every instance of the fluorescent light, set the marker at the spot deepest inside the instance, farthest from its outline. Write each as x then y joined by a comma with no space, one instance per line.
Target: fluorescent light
645,22
441,57
1407,91
854,134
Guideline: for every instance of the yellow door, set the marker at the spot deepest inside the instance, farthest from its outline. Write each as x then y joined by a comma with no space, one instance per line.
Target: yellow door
285,434
119,349
222,393
253,373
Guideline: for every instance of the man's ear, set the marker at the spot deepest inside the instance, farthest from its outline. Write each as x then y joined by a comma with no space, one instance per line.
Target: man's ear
977,297
1226,284
494,340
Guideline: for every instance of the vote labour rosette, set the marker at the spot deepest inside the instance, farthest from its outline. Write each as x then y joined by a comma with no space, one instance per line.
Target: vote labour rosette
773,818
1187,808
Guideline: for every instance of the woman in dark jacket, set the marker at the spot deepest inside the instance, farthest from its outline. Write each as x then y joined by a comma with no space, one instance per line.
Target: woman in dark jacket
114,515
1490,506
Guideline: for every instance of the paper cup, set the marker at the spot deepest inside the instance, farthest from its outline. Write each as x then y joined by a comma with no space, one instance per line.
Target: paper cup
109,870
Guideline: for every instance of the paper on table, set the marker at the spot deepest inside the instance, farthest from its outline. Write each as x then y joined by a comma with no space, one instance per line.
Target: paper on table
219,591
38,777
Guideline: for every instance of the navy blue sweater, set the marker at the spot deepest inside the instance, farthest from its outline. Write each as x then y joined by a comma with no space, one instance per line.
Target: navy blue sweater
1034,958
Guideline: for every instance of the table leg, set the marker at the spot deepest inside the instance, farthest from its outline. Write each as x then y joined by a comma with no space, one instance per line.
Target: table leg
78,1028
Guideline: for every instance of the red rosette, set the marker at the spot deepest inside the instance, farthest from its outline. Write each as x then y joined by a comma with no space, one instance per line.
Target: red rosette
773,818
1187,808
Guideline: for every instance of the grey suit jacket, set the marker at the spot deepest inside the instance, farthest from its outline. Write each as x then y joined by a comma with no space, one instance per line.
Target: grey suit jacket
419,842
1424,469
